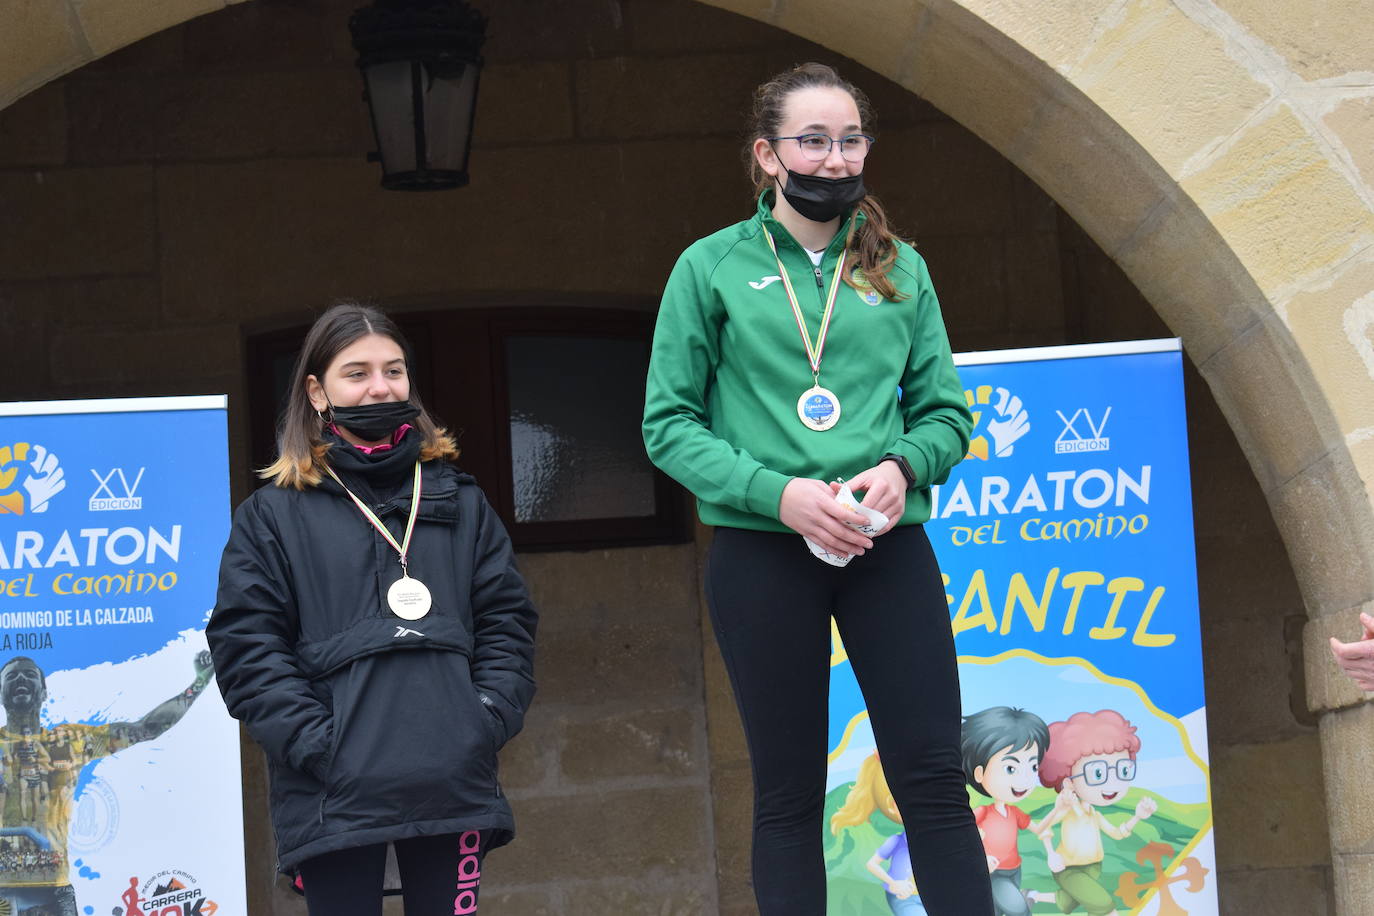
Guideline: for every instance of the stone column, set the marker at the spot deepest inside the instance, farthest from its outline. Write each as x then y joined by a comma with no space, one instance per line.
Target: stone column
1347,732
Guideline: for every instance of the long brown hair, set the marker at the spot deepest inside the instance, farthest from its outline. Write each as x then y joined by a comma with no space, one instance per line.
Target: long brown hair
871,242
301,449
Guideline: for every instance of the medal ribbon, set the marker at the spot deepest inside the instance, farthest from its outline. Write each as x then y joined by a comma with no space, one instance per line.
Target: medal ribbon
813,352
403,547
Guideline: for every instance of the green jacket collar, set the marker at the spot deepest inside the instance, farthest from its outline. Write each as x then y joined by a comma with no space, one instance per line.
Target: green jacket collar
765,217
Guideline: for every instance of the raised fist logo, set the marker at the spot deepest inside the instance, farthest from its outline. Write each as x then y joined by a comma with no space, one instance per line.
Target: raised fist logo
1010,423
29,477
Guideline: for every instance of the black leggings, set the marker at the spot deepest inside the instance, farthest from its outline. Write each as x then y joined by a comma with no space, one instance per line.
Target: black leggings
439,876
771,603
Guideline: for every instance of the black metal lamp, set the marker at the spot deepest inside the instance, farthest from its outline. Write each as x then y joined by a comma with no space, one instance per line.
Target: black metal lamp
420,61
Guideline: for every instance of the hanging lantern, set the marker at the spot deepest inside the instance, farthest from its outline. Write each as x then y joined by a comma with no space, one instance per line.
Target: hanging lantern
420,61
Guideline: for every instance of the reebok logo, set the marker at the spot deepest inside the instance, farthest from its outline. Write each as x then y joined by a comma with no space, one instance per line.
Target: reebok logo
765,282
405,631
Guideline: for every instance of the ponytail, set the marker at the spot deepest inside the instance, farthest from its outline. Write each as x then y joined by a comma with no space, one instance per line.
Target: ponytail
873,249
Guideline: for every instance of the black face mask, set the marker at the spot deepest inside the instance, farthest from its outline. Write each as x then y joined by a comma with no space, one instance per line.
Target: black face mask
374,422
822,199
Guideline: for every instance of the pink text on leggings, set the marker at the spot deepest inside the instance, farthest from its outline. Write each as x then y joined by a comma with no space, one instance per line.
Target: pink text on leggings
469,872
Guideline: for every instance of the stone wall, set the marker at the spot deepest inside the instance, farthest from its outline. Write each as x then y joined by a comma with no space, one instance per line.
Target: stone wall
208,182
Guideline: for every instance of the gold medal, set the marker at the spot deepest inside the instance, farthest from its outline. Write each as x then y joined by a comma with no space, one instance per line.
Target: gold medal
408,598
818,408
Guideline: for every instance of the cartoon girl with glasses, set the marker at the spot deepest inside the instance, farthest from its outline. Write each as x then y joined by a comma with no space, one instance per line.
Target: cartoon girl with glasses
1091,758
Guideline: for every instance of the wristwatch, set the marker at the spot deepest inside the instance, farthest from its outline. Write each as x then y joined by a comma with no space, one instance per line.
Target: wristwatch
904,466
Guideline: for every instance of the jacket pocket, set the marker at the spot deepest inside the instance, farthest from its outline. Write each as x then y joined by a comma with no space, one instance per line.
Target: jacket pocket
296,798
328,769
412,741
493,719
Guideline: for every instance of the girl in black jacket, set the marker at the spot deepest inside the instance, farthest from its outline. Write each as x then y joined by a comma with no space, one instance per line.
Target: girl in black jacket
373,634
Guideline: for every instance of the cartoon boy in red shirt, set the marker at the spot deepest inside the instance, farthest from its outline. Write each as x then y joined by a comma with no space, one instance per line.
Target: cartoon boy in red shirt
1001,749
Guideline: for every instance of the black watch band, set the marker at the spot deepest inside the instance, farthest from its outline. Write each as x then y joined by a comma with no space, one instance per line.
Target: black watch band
904,466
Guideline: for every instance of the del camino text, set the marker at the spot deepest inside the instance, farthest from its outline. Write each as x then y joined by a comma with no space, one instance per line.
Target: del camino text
122,547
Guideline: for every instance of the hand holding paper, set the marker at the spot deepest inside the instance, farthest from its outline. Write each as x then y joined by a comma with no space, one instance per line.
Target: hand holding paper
876,522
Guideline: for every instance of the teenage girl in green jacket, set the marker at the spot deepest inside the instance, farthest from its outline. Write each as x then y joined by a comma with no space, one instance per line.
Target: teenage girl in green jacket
781,344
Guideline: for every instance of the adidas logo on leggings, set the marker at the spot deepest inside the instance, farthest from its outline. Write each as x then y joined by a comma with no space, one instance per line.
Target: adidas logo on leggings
469,873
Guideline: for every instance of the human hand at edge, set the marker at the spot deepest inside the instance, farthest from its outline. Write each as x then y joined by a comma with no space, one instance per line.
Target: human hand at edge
1356,659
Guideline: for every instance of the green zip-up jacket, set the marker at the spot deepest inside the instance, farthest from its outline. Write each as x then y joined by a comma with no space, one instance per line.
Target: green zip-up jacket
728,365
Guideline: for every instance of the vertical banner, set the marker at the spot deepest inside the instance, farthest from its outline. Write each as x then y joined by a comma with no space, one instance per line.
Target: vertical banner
1066,542
120,788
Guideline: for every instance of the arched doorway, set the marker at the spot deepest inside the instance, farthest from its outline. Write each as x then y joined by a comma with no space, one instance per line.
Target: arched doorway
1218,202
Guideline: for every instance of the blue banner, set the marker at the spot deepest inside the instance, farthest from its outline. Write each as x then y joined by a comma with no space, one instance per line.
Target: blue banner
121,786
1066,543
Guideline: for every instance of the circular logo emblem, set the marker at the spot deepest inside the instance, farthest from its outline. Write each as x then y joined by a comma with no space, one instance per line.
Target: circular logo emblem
818,408
867,294
97,817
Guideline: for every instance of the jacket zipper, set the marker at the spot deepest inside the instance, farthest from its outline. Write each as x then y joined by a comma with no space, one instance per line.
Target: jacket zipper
324,796
820,283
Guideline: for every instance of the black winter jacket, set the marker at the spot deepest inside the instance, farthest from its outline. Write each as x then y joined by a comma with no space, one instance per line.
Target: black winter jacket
375,728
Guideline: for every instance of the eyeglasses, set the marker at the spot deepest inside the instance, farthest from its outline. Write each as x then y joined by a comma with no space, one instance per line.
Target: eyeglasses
815,147
1095,772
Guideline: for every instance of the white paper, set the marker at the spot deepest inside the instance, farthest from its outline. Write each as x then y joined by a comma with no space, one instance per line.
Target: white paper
876,522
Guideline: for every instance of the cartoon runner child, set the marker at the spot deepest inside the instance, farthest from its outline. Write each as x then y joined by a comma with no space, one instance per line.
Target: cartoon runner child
870,793
1091,758
1001,748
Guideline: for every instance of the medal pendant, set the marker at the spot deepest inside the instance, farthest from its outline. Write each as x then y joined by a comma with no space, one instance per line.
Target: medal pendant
408,598
818,408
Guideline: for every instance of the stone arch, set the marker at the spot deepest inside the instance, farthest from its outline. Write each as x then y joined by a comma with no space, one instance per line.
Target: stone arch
44,39
1221,158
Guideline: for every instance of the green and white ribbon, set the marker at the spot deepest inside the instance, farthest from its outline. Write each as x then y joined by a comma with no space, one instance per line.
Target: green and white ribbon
402,548
813,351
